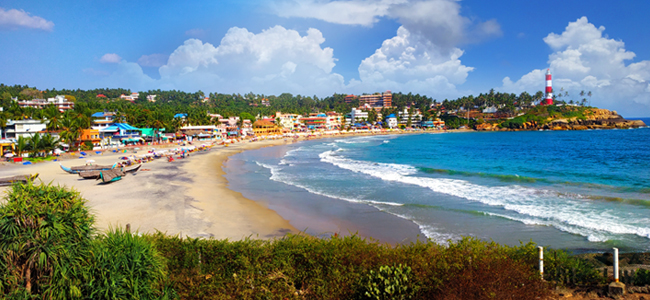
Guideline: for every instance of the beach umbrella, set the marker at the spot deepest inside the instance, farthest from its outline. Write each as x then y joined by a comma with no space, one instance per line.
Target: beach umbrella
90,161
9,154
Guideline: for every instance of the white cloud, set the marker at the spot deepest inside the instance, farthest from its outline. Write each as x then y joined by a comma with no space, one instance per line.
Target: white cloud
110,58
349,12
585,59
273,61
439,21
153,60
129,75
408,63
20,18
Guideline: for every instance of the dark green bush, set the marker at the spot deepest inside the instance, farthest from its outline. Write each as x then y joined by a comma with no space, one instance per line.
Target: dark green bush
565,269
642,277
125,266
303,267
45,234
47,251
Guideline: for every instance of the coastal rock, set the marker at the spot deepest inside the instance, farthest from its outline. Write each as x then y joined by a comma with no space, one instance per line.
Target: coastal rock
578,127
487,127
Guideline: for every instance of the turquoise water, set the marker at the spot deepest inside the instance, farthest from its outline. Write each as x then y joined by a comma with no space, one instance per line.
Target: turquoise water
581,190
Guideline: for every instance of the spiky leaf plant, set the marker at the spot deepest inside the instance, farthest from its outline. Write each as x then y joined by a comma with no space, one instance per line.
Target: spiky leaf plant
45,235
126,266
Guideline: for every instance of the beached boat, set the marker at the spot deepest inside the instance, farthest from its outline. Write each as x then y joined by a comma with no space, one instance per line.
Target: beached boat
78,169
18,178
132,170
89,174
111,175
97,173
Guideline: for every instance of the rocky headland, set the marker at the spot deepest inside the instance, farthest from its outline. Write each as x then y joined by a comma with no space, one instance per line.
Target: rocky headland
594,118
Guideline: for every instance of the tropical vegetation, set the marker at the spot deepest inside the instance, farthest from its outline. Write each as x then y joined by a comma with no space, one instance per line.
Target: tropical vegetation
49,249
160,114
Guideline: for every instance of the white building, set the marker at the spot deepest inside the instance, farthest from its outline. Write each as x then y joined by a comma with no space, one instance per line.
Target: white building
416,117
134,96
357,115
288,121
24,128
391,121
151,98
59,101
334,120
103,119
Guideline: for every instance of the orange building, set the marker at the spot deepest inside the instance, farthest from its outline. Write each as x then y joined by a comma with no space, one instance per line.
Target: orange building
91,135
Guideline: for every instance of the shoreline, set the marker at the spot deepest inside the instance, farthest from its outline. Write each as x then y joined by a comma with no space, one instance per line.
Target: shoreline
189,197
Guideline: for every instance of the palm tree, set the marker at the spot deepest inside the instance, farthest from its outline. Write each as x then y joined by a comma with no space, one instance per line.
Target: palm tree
35,144
21,145
71,131
49,143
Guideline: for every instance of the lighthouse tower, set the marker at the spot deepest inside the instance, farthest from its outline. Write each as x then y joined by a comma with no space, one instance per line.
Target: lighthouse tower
548,100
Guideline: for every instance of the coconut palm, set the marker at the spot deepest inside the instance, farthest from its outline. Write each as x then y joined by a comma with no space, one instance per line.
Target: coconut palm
22,145
35,144
49,143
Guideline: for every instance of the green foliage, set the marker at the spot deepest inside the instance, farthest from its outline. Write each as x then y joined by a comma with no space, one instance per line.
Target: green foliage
125,266
564,269
45,234
388,283
518,122
454,122
642,277
87,145
47,251
336,268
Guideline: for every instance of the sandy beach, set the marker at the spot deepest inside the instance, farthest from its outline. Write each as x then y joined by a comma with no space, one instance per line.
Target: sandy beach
187,197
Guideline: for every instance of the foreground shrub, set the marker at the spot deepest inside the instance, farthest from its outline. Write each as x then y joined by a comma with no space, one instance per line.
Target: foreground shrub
125,266
642,277
45,234
388,283
47,251
564,269
302,267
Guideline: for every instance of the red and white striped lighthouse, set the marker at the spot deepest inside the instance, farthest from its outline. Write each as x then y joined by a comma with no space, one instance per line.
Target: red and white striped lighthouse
548,100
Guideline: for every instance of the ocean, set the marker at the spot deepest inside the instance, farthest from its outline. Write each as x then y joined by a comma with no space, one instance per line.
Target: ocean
578,190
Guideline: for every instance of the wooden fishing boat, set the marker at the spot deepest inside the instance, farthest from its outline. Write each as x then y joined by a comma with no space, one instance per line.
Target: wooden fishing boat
133,170
111,175
18,178
89,174
96,174
78,169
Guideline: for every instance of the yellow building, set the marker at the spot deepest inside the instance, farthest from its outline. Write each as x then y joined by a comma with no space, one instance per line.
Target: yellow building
6,146
262,128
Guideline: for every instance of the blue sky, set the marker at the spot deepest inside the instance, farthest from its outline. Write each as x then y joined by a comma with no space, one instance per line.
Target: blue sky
441,48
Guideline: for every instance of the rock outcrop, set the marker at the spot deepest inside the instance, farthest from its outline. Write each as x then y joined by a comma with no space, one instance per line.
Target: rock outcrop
594,119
